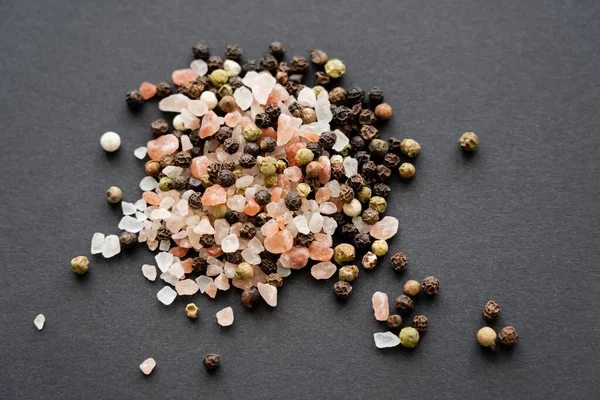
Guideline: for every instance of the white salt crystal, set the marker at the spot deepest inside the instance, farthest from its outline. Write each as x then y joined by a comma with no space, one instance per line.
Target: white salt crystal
307,97
164,260
341,140
140,152
262,86
386,339
176,270
112,246
165,245
328,208
229,270
250,257
225,316
197,107
323,109
167,202
141,204
268,293
149,272
160,213
350,166
214,261
214,270
174,103
140,216
230,244
172,171
169,278
97,243
200,66
329,225
128,208
166,295
243,97
236,203
182,207
255,245
244,181
316,223
148,183
249,78
148,365
334,187
301,224
316,127
130,224
203,281
186,143
39,321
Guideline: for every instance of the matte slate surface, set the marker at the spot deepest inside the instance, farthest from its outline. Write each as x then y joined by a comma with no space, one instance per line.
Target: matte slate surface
517,222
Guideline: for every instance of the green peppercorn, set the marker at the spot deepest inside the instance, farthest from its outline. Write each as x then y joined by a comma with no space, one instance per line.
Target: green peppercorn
191,310
304,156
364,194
379,247
165,184
218,211
370,216
378,204
206,181
486,337
270,181
226,91
353,208
335,68
348,273
406,170
237,174
267,165
394,321
251,132
218,77
80,265
468,141
344,253
409,337
508,336
244,271
114,195
410,147
303,189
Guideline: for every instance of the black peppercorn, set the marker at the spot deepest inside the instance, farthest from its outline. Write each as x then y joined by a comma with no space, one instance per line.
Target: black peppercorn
234,52
375,96
355,95
298,64
362,241
430,285
127,239
316,148
229,164
368,132
383,173
199,265
508,336
268,62
235,257
267,144
213,169
182,159
391,160
262,197
193,89
180,183
260,219
367,117
399,262
195,200
273,111
342,289
250,297
293,201
247,231
327,139
349,230
163,233
262,120
346,194
159,127
235,82
225,178
207,241
369,171
277,50
356,182
232,217
250,65
267,265
295,109
163,89
231,146
394,321
195,137
321,78
420,323
214,62
362,157
196,151
370,216
338,172
223,133
305,239
404,304
252,148
200,51
247,161
195,184
358,143
212,361
381,189
342,115
134,99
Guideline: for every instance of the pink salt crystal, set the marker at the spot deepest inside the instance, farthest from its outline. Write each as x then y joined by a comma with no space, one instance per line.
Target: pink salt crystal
181,77
252,208
147,90
273,210
385,229
199,167
215,251
381,306
162,146
214,195
269,293
178,252
280,222
270,228
245,121
210,124
285,129
211,290
186,287
323,270
323,194
222,282
310,136
324,239
328,208
186,143
295,258
190,121
276,194
148,365
293,173
232,119
151,198
280,242
320,252
325,174
187,264
204,227
225,317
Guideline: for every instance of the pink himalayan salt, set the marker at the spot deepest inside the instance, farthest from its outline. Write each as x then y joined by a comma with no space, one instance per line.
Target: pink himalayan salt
271,228
214,195
215,251
225,317
381,307
151,198
162,146
385,229
280,222
210,125
232,119
187,265
186,287
268,132
147,90
211,290
280,242
323,270
182,77
245,121
245,284
323,194
148,366
252,208
269,293
284,183
178,252
285,129
295,258
320,252
199,167
293,173
324,238
276,194
325,174
222,282
310,136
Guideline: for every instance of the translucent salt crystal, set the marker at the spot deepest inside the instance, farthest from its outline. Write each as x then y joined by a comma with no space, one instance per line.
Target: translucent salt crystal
222,282
225,317
214,270
230,244
221,230
250,257
140,152
295,258
386,339
381,306
268,293
204,227
147,366
182,207
165,245
186,287
316,223
167,202
307,97
335,188
190,121
197,107
329,225
229,270
39,321
350,166
273,210
283,271
152,244
328,208
243,97
361,225
140,216
169,278
164,260
385,229
148,183
97,243
301,224
128,208
316,127
166,295
186,143
293,173
174,103
270,228
214,261
255,245
112,246
172,171
203,281
323,108
236,203
141,204
249,78
160,213
341,140
262,86
149,272
244,181
200,66
176,270
323,270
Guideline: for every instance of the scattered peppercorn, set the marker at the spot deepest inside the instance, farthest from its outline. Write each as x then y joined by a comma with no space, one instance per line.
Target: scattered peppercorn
244,271
368,132
127,239
262,197
207,240
364,194
318,57
308,116
335,68
383,112
468,141
247,160
212,361
491,310
191,310
430,285
250,297
274,279
349,230
486,337
298,64
394,145
508,336
152,168
159,127
214,63
114,195
369,260
412,288
394,322
409,337
344,253
348,273
277,49
337,96
313,169
406,170
404,304
355,95
410,147
247,231
134,100
268,62
227,104
391,160
357,143
420,323
293,201
233,52
165,184
379,247
200,51
80,265
327,139
321,78
375,96
381,190
378,148
352,208
383,173
378,204
342,289
362,241
163,89
251,132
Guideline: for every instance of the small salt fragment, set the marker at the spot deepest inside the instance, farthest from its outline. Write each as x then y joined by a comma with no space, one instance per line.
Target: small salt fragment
230,244
148,183
186,287
386,339
130,224
166,295
147,366
323,270
316,223
170,279
268,293
323,108
141,204
140,152
341,140
350,166
200,66
225,317
164,245
250,257
164,260
97,243
262,86
39,322
174,103
381,306
329,225
149,272
222,282
112,246
203,281
307,97
176,270
244,181
385,229
249,78
160,213
335,188
301,224
328,208
214,270
243,98
140,216
172,171
197,107
361,225
128,208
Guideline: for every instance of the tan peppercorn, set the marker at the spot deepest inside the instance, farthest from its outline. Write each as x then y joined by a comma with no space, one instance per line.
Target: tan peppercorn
274,279
313,169
491,310
344,253
412,288
114,195
337,96
152,168
394,321
348,273
468,141
420,323
80,265
308,115
383,112
406,170
318,57
431,285
370,216
410,147
486,337
508,336
159,127
227,104
191,310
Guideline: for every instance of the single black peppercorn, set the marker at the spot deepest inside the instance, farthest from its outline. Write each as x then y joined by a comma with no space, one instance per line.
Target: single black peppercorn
262,120
369,171
342,115
195,137
394,321
235,82
213,169
200,51
346,194
214,62
127,239
298,64
356,182
134,99
340,220
368,132
420,323
268,62
338,172
250,297
404,304
199,265
508,336
247,161
321,78
391,160
262,197
362,241
180,183
247,231
349,231
293,201
250,65
163,89
491,310
362,157
355,95
234,52
252,149
232,217
223,133
163,233
273,111
235,257
226,178
381,189
327,139
196,151
260,219
183,159
358,143
228,164
159,127
267,144
207,241
231,146
383,173
375,96
342,289
366,117
267,265
277,50
430,285
295,109
305,239
212,361
316,148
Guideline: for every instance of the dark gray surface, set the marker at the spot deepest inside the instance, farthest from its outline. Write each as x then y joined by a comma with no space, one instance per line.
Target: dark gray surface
517,222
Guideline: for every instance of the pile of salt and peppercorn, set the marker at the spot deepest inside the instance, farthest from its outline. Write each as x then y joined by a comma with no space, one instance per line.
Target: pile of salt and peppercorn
257,176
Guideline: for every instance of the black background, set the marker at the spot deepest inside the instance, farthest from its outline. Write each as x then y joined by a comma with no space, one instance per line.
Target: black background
517,222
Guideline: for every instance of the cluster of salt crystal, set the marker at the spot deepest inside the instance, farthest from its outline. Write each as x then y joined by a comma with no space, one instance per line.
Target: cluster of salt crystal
39,322
385,339
108,246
